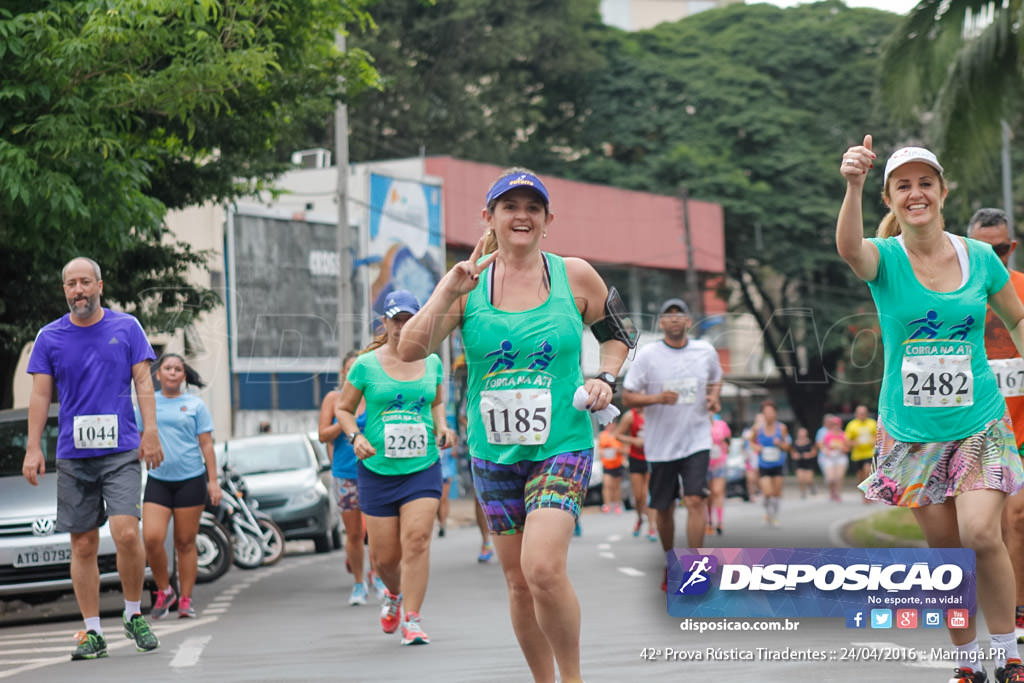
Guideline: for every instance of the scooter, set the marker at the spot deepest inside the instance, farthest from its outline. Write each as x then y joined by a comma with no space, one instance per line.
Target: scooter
257,539
214,549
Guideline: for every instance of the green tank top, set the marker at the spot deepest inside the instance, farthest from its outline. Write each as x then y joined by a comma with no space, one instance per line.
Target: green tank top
524,367
398,420
937,384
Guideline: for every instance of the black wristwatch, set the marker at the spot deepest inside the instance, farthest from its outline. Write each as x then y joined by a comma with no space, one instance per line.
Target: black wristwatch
353,435
608,378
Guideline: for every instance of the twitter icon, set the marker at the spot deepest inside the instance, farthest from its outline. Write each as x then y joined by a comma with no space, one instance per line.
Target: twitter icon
881,618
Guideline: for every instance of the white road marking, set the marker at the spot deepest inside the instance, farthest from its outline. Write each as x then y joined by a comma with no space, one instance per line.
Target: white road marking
615,537
629,571
604,546
610,556
188,653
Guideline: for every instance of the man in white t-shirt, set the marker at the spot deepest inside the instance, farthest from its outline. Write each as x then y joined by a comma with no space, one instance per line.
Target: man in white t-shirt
678,381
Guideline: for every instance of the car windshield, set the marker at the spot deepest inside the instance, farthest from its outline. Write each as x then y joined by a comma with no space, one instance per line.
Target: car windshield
257,457
14,436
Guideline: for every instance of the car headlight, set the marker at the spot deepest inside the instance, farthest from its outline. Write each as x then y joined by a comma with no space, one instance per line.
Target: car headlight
307,497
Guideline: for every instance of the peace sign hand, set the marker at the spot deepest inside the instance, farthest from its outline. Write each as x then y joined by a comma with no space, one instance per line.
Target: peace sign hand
464,275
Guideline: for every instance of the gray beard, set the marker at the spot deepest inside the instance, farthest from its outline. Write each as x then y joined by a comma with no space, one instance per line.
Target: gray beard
90,307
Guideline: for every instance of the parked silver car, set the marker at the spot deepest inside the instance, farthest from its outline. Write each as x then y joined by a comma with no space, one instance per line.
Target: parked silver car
35,561
291,481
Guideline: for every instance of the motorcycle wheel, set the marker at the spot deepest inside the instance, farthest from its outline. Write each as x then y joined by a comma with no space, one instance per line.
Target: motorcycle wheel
273,541
248,551
214,551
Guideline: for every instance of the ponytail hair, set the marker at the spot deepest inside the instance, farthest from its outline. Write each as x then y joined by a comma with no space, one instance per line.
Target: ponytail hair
378,341
889,227
192,377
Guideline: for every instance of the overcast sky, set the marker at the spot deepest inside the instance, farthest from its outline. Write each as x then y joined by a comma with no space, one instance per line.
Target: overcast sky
899,6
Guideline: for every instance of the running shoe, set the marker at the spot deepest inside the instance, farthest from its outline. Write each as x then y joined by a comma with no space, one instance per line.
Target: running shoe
968,675
618,509
379,589
577,530
606,508
412,632
652,537
636,527
164,603
138,630
718,530
708,530
1013,672
358,595
486,553
440,532
91,645
390,612
1020,624
664,581
185,608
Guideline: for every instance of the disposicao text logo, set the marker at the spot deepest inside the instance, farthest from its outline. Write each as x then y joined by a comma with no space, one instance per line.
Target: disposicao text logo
810,582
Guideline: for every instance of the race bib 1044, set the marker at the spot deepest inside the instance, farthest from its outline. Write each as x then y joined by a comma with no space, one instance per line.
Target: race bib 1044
937,379
95,431
1009,374
516,416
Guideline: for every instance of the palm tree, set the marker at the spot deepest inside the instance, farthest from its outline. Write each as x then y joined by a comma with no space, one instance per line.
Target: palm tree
958,65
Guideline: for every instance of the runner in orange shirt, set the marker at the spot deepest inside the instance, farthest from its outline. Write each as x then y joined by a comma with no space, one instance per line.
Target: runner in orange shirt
991,226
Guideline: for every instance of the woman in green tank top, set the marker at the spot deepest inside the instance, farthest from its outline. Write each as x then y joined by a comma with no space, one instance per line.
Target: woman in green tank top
398,473
945,447
522,313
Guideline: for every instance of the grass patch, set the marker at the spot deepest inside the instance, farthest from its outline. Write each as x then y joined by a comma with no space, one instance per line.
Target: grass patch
890,528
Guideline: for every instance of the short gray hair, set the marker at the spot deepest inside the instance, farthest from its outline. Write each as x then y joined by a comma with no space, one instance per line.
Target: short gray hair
95,267
988,218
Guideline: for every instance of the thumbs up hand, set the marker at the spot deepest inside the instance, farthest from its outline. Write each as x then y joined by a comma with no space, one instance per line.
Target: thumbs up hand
857,161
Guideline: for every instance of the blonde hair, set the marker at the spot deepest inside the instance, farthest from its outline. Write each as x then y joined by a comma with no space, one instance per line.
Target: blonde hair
491,240
889,225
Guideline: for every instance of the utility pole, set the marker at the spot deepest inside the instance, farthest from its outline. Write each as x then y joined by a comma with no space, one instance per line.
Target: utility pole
692,282
344,234
1008,187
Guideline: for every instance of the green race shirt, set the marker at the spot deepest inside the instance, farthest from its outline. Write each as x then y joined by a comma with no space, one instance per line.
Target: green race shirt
398,420
937,384
524,367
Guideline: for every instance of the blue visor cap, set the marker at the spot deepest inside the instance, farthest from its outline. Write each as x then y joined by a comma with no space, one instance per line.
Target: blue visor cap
511,182
400,301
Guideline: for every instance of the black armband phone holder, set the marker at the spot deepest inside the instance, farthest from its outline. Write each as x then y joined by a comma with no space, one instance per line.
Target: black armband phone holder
616,323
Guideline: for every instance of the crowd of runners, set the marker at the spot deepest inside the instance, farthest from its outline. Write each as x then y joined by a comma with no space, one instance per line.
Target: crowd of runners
946,442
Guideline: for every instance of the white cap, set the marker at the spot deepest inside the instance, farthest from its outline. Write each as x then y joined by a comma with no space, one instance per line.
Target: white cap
905,155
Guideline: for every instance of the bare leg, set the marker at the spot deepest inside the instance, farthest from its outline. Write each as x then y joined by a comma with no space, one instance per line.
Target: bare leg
353,521
85,572
186,526
416,522
696,520
532,641
131,556
1013,535
386,550
939,524
978,513
154,533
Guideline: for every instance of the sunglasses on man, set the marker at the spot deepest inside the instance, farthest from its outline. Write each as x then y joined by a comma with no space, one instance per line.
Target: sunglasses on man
1002,249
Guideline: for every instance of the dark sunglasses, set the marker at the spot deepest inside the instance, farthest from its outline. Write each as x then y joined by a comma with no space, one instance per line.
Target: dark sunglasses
1002,249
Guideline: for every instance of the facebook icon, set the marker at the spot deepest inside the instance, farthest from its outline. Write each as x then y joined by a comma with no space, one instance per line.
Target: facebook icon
856,619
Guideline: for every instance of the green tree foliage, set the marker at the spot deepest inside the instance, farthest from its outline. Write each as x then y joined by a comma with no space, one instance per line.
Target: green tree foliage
752,107
476,79
112,112
959,64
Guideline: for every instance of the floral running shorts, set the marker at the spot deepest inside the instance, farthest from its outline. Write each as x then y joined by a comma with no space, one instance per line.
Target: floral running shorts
916,474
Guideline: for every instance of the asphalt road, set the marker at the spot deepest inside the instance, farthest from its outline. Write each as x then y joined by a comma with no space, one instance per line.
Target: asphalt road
291,622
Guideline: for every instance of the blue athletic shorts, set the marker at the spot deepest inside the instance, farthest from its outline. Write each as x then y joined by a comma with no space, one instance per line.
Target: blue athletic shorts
383,495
